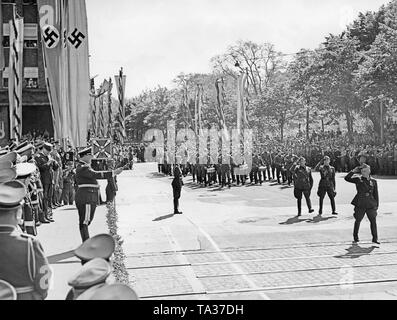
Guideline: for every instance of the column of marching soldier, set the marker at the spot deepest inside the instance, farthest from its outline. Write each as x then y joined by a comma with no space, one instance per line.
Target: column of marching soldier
29,191
288,168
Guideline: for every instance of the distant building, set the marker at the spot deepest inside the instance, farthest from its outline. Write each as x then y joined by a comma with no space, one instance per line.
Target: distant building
36,107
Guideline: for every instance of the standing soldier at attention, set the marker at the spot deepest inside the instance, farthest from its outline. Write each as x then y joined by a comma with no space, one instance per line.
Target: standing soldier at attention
327,184
366,202
23,262
87,195
303,183
177,184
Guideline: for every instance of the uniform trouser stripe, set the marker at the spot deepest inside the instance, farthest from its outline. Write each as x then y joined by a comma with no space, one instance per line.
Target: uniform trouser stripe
87,214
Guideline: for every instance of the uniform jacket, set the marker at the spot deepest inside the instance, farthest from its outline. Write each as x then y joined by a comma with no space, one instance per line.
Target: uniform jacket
46,169
23,265
303,179
86,176
327,177
367,192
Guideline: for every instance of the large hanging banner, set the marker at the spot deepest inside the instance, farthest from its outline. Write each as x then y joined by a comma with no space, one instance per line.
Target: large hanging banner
64,33
78,84
50,12
15,78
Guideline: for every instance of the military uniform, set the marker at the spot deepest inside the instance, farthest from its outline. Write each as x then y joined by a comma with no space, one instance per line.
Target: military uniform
303,184
177,184
366,202
327,185
87,196
24,264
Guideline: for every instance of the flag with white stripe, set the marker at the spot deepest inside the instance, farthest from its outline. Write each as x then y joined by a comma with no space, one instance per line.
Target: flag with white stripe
121,80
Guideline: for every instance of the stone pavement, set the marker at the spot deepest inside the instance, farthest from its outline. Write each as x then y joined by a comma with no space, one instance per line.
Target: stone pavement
246,243
242,243
59,239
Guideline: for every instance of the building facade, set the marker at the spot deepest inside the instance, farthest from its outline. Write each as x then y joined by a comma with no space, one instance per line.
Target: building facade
36,114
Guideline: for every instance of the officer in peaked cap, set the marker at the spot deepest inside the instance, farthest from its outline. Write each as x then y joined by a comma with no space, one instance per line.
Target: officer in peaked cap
93,274
87,195
100,246
110,292
7,291
27,268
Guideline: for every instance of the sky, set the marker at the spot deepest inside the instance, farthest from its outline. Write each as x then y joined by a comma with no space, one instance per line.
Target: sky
155,40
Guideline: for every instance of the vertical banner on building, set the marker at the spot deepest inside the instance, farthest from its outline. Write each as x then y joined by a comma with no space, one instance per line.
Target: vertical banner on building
64,31
15,79
75,32
2,58
121,80
50,14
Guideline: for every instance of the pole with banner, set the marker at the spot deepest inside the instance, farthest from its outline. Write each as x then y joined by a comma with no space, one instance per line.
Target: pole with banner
110,112
121,80
15,77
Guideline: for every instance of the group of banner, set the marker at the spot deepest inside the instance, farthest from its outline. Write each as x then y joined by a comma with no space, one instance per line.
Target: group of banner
195,123
102,115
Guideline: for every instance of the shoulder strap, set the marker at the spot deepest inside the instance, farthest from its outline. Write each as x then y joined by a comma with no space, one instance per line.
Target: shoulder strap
31,260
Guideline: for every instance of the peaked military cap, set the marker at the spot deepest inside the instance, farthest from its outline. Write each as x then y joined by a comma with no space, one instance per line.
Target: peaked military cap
111,292
85,152
92,273
100,246
7,292
25,169
12,157
7,175
12,194
5,165
48,146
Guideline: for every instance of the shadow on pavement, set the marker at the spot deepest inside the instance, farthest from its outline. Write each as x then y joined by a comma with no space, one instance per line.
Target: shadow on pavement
355,252
319,219
168,216
293,220
59,257
156,175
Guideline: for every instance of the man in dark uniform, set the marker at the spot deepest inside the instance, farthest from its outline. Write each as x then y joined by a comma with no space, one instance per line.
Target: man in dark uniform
366,202
46,166
278,164
303,183
177,184
327,184
23,262
87,195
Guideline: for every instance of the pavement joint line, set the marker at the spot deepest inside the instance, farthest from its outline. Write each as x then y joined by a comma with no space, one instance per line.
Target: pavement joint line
330,284
249,249
264,289
297,270
187,270
252,260
234,266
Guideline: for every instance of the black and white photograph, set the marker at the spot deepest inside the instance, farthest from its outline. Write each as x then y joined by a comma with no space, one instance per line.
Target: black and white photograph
198,154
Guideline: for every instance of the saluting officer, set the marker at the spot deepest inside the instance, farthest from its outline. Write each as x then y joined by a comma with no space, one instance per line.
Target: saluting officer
303,183
24,264
327,184
87,195
366,202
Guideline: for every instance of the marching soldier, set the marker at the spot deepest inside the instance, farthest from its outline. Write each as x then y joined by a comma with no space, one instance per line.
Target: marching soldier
177,184
87,195
327,184
366,202
278,165
27,268
303,183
